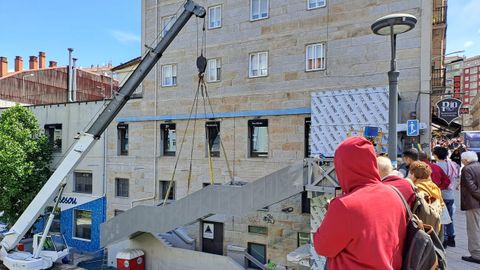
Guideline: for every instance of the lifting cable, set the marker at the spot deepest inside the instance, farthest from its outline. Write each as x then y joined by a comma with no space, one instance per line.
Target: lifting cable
201,89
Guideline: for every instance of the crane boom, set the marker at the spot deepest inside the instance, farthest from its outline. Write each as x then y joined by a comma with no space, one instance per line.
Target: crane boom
87,139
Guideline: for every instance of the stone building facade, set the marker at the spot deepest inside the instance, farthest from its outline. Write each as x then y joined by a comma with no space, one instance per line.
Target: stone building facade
266,58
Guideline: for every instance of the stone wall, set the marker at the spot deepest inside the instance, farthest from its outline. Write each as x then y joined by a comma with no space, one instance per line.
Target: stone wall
355,57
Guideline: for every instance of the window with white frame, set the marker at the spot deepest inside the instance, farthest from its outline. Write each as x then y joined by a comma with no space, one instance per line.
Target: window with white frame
83,224
215,17
315,57
214,67
258,64
82,182
312,4
258,9
167,23
169,75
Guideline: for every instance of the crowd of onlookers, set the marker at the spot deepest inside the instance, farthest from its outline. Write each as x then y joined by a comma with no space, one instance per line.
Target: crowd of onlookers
365,228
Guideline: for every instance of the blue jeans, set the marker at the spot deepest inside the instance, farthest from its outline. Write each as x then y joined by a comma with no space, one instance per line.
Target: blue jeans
449,230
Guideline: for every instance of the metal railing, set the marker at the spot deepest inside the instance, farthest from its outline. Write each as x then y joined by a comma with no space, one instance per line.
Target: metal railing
438,78
256,262
440,15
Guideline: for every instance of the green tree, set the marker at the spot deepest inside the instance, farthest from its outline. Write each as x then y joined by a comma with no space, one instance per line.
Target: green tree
25,155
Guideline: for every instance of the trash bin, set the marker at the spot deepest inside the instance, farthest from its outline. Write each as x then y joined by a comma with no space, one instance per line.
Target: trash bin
131,259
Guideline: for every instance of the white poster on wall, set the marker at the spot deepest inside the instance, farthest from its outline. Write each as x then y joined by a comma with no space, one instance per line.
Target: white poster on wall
339,113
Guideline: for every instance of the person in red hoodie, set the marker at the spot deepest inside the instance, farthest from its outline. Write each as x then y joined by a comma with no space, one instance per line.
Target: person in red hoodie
366,227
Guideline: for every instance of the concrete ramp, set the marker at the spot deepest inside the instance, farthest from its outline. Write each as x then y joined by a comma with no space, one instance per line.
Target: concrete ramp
160,257
214,199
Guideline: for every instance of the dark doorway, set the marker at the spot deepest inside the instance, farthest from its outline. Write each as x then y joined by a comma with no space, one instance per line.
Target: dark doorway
212,237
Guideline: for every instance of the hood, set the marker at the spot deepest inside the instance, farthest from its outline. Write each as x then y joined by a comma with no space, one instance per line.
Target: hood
356,164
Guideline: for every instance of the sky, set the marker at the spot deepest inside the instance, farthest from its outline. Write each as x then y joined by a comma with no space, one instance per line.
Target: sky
463,27
101,31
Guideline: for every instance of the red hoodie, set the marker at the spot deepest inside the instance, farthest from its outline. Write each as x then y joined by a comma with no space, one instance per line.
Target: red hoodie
366,227
403,186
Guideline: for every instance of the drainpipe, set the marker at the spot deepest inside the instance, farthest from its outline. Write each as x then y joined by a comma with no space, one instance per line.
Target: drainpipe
104,195
69,80
74,80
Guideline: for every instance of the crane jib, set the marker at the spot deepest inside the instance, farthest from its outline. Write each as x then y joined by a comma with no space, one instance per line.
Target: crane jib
86,140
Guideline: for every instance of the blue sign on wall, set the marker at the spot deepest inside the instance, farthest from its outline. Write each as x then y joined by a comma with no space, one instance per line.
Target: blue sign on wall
413,128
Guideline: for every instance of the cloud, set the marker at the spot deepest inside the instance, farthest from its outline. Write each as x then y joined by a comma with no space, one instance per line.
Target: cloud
125,37
468,44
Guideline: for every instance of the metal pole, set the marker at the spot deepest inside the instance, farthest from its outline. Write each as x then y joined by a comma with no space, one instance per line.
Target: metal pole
23,86
392,102
69,83
49,223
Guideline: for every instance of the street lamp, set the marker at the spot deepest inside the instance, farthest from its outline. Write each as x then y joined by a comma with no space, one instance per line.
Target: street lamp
23,82
392,25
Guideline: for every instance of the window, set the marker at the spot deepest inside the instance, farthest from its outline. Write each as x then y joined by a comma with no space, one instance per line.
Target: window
259,252
169,139
54,134
257,229
303,239
315,55
258,9
308,122
305,203
258,137
208,184
83,182
121,187
164,188
169,75
167,23
122,131
215,17
117,212
312,4
212,130
258,65
214,67
83,224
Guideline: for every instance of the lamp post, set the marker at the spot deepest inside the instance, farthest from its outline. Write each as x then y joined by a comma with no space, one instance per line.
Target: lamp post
23,83
392,25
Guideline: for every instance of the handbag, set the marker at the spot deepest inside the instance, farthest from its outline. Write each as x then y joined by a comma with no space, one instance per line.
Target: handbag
445,217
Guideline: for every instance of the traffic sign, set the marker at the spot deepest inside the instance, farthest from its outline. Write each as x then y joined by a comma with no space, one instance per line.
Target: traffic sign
413,128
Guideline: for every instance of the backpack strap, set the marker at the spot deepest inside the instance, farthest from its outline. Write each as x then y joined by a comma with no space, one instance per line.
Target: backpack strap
409,212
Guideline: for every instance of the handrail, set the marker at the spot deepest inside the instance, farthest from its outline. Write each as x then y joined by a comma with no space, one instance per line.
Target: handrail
252,259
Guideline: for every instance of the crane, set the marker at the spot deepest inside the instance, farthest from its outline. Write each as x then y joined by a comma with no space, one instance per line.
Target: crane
43,257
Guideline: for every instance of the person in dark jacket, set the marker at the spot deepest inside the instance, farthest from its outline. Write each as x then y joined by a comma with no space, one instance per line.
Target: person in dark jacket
392,178
456,155
366,227
470,203
409,156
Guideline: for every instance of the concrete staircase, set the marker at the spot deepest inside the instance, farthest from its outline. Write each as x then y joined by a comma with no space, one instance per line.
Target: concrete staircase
214,199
